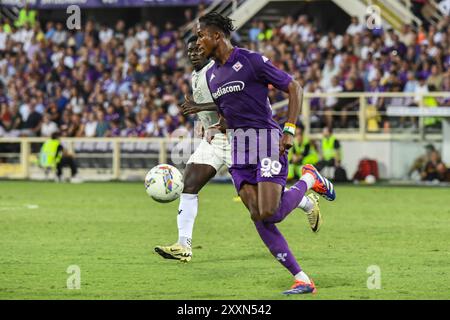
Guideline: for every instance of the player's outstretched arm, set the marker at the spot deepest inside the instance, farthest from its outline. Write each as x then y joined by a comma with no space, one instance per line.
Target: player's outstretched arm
295,92
191,107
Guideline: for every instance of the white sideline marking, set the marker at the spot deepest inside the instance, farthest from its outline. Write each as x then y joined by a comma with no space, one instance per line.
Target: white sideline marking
8,208
28,206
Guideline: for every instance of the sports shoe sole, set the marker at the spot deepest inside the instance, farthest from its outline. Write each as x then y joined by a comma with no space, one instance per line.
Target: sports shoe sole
166,255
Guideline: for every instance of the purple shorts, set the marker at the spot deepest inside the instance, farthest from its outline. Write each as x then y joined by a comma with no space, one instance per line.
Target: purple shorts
257,159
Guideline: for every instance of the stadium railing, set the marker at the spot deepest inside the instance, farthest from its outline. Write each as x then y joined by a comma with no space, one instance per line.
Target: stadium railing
130,158
369,121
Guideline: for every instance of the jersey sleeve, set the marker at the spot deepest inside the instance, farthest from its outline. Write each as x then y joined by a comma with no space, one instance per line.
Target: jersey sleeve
267,73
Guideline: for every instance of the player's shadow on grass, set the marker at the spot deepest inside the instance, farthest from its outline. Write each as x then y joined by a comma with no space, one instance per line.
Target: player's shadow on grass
240,258
332,281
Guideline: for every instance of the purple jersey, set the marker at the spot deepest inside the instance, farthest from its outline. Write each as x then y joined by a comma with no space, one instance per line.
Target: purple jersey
240,89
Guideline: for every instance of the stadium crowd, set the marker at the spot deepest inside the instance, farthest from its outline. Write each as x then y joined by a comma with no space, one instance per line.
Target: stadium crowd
117,81
414,61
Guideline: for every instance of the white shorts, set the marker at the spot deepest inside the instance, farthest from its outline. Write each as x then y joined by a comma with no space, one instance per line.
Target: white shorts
216,154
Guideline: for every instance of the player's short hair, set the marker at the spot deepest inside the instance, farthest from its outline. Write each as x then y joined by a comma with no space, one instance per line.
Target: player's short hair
217,20
192,39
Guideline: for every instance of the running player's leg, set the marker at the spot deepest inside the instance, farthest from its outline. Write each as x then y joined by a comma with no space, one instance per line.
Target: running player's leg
278,246
244,180
268,232
275,205
201,167
196,176
249,196
309,204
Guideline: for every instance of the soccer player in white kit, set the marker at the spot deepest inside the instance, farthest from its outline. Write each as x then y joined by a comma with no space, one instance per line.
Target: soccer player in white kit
204,163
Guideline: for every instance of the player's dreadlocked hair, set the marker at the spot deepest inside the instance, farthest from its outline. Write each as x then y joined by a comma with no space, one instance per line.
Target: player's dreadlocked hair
224,24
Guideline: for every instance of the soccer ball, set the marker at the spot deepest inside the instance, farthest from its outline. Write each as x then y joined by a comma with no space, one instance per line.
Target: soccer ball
164,183
370,179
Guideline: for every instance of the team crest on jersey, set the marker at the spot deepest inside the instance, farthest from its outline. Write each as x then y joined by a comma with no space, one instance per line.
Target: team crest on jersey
212,77
237,66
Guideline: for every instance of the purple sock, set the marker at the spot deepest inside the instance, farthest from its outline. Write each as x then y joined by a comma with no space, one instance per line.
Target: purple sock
290,200
277,245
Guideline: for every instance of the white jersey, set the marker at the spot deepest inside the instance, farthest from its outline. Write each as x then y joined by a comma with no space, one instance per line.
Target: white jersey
218,152
201,94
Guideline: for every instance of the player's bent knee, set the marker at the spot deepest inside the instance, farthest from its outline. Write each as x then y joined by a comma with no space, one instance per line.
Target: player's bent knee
268,212
191,189
254,215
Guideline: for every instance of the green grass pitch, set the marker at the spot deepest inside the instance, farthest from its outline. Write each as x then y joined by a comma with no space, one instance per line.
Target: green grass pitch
109,231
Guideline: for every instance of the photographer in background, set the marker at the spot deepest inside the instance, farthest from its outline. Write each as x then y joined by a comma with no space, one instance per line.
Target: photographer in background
434,170
54,156
416,169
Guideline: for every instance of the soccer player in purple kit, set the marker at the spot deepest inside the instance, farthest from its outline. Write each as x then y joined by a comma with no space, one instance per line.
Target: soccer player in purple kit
239,83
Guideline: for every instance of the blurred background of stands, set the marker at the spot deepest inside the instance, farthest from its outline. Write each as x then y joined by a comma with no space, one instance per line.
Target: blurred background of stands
124,73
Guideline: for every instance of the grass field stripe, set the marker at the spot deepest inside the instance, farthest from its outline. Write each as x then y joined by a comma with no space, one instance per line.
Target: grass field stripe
110,231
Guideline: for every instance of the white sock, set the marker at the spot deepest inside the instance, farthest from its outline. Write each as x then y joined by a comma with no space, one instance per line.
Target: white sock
309,179
187,211
302,277
306,204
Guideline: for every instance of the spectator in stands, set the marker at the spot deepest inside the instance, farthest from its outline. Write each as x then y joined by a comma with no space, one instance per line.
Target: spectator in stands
5,115
89,125
6,24
114,130
59,35
106,34
75,126
331,102
254,32
289,28
26,16
102,126
48,127
431,102
420,90
266,32
130,129
330,153
94,68
32,124
355,27
3,39
15,123
436,77
347,105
